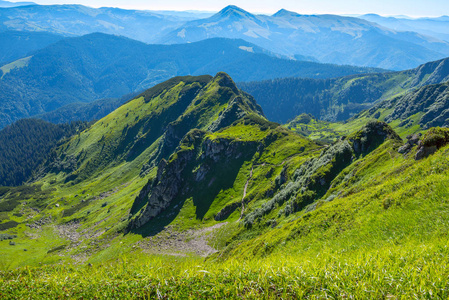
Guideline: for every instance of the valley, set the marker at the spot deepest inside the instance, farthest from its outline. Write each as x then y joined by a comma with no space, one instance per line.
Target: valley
219,177
221,163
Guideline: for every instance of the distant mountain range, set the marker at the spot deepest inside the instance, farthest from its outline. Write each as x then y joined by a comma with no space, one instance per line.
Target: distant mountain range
436,27
187,15
76,20
320,38
328,38
14,4
99,66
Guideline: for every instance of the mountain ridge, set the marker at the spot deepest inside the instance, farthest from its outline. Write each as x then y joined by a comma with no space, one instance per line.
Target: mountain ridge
283,32
98,66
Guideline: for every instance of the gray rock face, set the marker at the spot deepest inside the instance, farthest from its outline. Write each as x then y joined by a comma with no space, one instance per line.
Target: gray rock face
412,140
372,135
165,188
226,211
198,160
423,152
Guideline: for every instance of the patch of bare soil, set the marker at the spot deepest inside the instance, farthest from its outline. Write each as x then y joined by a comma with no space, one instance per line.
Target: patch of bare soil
170,242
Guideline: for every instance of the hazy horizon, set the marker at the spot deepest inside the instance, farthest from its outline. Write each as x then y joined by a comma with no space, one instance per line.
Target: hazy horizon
414,8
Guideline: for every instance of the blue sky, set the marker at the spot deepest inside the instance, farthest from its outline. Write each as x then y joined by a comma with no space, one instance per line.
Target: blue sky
383,7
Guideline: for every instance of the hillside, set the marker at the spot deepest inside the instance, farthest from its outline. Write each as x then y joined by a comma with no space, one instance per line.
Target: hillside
25,146
354,41
192,167
425,107
15,44
99,66
117,157
339,99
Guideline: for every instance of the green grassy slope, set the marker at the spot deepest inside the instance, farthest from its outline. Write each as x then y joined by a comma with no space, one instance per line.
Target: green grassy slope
425,107
289,217
89,184
384,236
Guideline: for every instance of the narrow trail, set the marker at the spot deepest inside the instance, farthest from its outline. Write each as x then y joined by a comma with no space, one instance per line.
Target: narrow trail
244,192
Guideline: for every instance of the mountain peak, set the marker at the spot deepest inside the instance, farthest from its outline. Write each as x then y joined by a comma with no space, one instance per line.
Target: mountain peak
232,10
285,13
225,80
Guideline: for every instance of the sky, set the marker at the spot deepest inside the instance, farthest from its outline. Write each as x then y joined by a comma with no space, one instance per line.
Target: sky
414,8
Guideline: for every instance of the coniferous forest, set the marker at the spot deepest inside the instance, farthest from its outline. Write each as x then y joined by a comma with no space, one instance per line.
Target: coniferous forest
26,144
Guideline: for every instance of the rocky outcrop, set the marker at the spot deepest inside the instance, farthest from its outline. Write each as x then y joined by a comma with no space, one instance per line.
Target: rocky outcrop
168,183
433,140
412,140
425,151
226,211
198,161
371,136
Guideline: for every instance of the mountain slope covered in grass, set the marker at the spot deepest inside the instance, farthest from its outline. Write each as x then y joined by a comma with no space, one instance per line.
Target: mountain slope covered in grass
192,167
422,108
339,99
100,66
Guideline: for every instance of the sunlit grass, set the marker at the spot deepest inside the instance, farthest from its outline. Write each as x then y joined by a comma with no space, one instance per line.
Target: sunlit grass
395,272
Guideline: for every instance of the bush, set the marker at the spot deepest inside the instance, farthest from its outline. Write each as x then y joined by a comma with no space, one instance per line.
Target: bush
6,236
55,249
9,205
8,225
437,136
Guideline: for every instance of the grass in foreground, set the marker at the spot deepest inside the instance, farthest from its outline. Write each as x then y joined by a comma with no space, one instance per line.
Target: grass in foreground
412,271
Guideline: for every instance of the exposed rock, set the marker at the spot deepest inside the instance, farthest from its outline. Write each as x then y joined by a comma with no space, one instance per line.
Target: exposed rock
167,184
195,160
371,136
39,223
433,140
171,242
412,140
226,211
423,152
